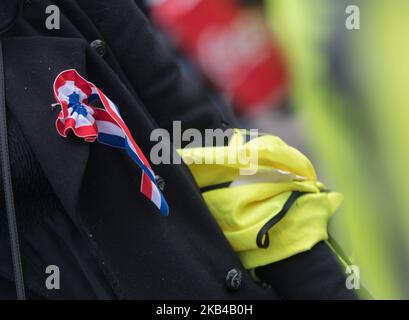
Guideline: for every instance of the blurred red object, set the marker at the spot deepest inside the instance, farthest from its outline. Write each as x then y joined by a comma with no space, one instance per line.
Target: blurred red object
232,45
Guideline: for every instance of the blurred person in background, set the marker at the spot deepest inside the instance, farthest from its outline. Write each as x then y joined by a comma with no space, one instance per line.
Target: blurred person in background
349,92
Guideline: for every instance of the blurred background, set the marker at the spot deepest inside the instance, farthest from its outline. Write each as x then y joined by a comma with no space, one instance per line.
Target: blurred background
331,80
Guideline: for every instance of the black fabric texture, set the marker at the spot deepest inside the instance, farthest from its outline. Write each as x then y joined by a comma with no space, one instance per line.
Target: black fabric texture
141,254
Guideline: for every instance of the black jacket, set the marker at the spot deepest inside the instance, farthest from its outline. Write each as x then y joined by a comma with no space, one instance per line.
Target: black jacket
143,254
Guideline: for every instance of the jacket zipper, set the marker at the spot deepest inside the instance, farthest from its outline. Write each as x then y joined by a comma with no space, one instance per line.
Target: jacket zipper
8,188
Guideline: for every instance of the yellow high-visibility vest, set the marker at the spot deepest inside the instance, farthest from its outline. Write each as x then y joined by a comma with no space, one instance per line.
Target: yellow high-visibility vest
277,211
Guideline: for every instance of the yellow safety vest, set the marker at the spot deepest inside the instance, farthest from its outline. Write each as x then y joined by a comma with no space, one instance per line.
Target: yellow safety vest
279,210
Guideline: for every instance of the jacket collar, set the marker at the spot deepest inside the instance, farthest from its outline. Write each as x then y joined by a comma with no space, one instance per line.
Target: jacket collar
31,65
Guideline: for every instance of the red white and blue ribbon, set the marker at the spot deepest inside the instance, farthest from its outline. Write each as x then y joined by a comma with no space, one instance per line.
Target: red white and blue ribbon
76,96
